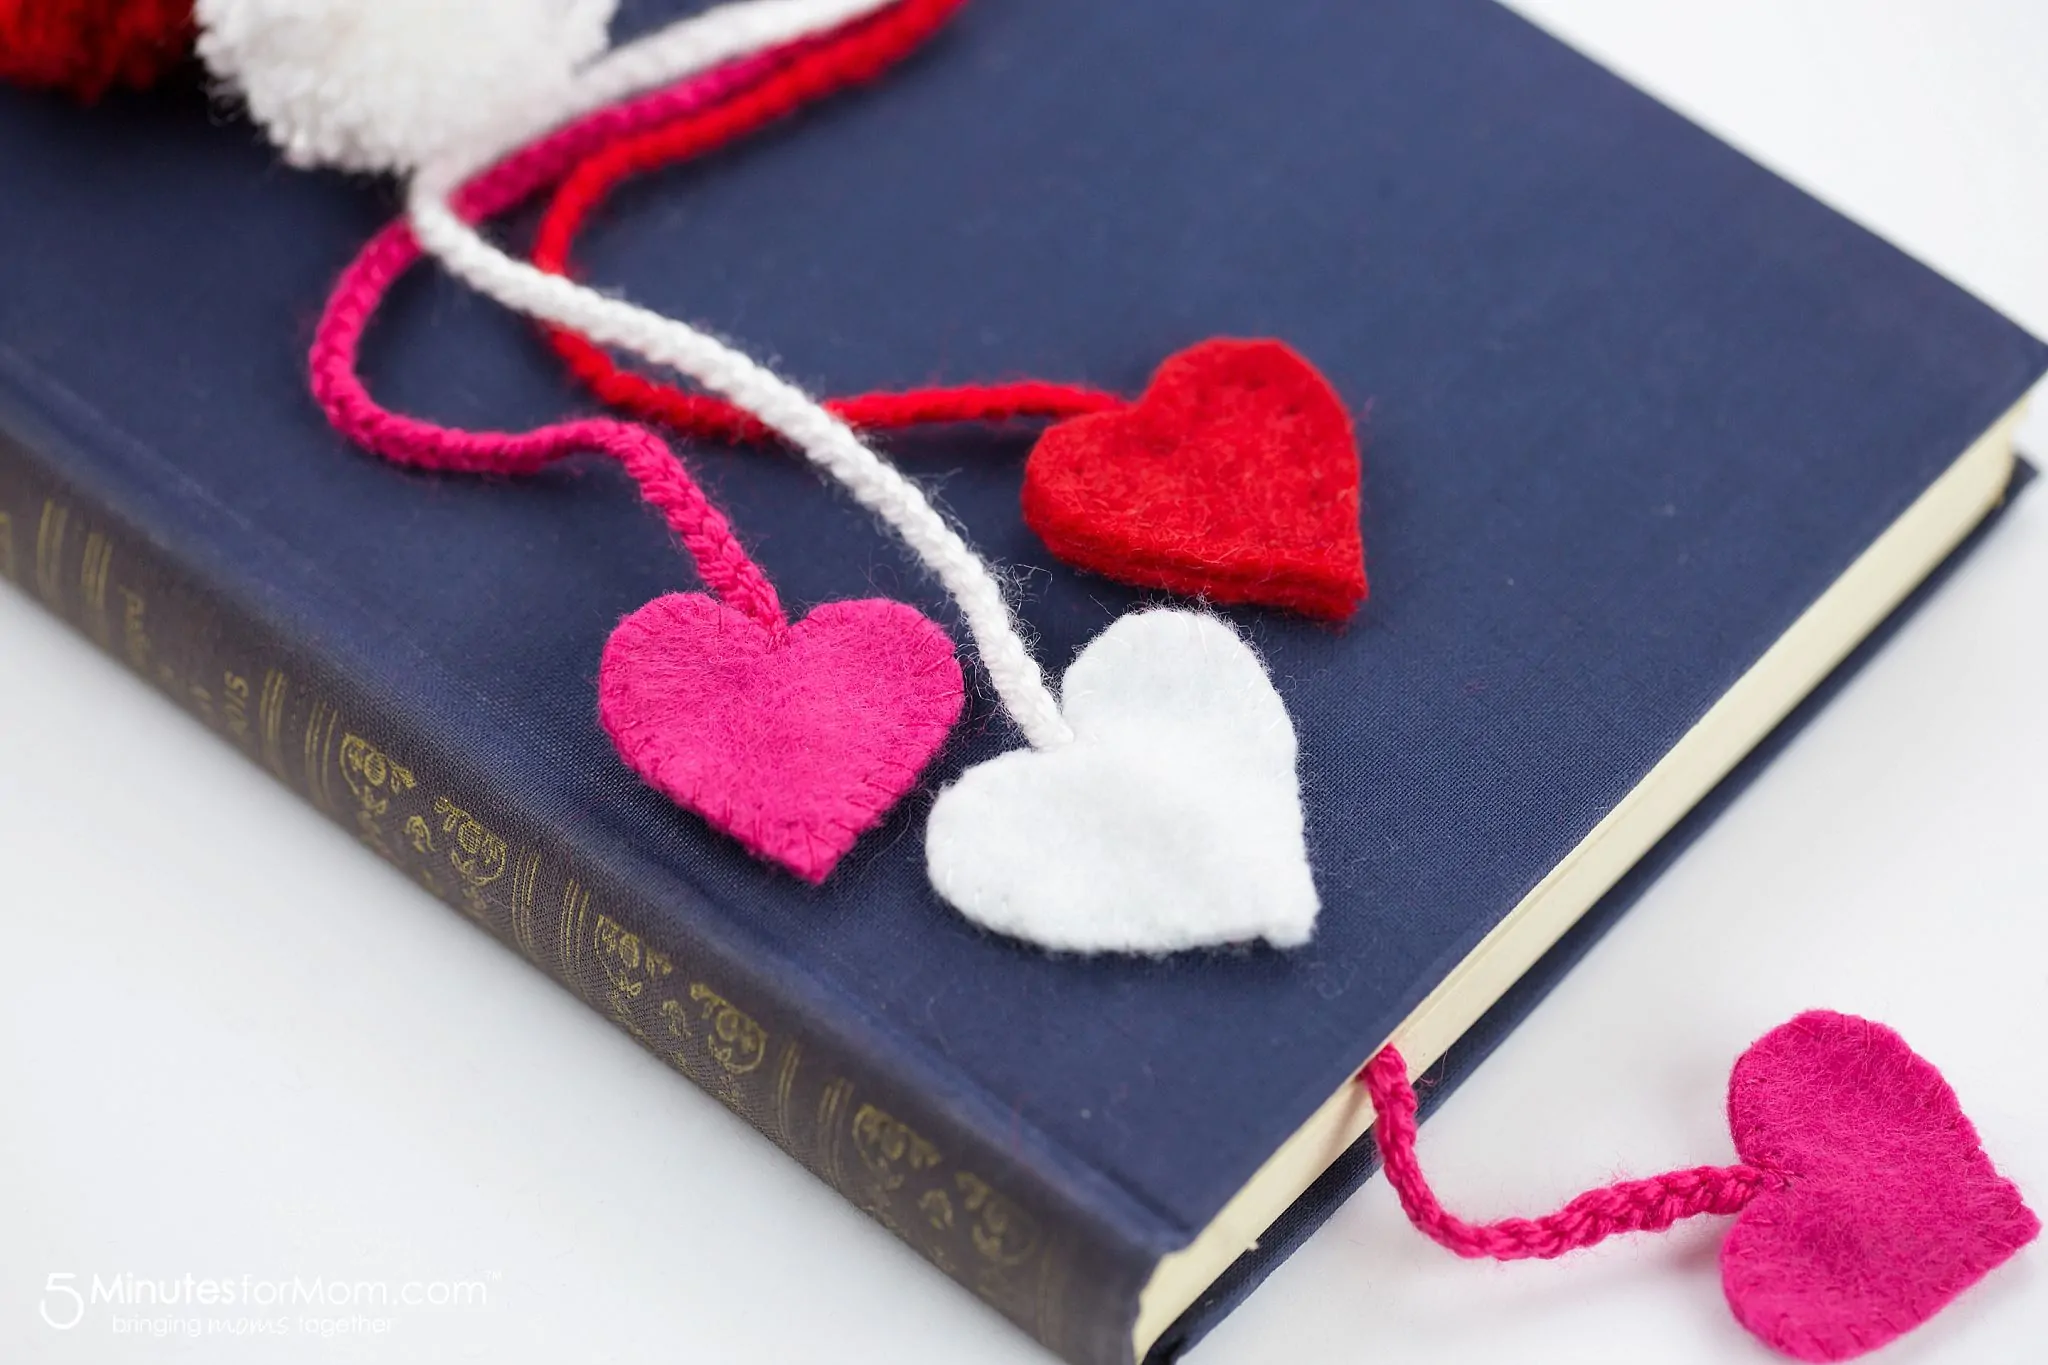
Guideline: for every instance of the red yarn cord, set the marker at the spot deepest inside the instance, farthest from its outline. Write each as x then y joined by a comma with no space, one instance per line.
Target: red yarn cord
850,58
1650,1205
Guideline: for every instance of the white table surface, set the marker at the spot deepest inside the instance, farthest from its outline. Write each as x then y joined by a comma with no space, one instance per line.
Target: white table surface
231,1043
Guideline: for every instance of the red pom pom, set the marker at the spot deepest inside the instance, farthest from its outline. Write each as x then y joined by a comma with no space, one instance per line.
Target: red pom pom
86,47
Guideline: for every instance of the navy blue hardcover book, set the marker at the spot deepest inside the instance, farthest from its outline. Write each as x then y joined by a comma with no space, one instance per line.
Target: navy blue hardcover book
1655,443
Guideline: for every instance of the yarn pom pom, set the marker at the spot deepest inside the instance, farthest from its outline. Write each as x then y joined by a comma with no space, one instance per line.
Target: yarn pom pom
382,85
87,47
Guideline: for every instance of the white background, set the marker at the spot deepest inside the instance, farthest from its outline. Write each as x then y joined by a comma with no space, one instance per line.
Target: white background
230,1042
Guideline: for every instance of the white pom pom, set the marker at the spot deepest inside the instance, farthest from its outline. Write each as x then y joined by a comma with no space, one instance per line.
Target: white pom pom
383,85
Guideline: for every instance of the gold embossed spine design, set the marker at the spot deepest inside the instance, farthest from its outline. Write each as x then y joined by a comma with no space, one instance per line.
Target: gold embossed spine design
287,717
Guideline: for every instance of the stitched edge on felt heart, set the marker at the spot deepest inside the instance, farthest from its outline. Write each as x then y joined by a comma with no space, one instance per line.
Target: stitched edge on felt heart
1845,1317
1115,492
808,842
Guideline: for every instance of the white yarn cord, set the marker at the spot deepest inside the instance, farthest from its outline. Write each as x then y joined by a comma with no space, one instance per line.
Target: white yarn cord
713,37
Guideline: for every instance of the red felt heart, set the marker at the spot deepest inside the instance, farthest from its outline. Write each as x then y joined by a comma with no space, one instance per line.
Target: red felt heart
1235,478
794,742
1882,1206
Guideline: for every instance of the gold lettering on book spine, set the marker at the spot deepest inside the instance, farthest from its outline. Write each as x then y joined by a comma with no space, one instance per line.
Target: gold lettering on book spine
785,1096
478,856
321,722
832,1102
736,1042
270,718
376,779
954,1217
234,706
50,553
696,1027
135,641
569,940
634,974
1001,1232
94,567
525,878
891,1150
693,1046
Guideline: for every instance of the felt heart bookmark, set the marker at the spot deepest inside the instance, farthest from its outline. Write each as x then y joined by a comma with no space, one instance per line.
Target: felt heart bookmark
792,737
1235,476
1150,665
1186,683
850,703
1863,1202
1157,805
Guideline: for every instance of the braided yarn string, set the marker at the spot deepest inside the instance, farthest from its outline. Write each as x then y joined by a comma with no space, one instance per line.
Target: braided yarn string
822,437
860,55
1650,1205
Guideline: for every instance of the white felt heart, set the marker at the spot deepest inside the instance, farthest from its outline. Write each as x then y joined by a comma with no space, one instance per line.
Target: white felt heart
1172,819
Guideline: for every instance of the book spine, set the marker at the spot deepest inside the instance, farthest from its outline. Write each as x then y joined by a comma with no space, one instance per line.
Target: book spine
983,1217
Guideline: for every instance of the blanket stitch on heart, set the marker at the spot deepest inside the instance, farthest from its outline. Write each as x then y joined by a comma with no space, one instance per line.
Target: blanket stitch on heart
1885,1206
1234,477
795,744
1863,1202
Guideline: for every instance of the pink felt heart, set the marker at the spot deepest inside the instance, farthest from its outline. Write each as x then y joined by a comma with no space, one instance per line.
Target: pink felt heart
1881,1205
795,742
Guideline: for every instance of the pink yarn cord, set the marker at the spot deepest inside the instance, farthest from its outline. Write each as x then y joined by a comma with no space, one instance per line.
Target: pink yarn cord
1650,1205
722,562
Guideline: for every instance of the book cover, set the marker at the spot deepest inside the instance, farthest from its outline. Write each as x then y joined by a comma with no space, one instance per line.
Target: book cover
1633,407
